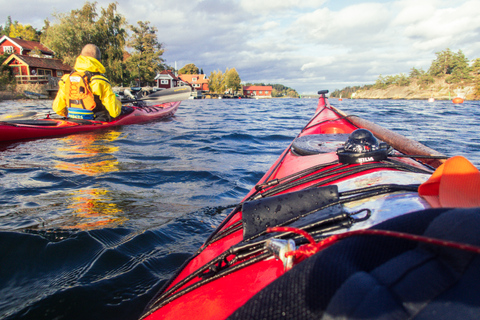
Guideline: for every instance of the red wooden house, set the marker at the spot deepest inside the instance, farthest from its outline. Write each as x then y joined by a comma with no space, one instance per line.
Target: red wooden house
24,67
23,47
166,80
199,82
257,91
29,68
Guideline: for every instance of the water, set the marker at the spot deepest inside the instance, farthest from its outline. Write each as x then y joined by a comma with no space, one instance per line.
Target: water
92,225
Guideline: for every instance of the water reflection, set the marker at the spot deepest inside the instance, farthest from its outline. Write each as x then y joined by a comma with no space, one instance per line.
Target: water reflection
93,208
91,154
88,154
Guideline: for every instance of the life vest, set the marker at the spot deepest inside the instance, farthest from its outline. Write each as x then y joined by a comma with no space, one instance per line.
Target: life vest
77,91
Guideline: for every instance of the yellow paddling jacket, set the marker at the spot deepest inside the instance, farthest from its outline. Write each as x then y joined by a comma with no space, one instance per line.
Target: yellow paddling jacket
105,99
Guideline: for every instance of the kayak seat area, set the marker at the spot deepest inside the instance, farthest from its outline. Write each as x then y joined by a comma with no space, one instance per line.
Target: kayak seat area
47,123
318,143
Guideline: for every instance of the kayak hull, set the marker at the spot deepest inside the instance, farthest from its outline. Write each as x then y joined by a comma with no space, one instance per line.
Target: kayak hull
43,128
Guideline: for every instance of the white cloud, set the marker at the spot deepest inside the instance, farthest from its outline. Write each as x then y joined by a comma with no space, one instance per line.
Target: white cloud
308,44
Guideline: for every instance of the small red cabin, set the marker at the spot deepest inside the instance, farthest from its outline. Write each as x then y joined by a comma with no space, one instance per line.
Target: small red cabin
257,91
166,80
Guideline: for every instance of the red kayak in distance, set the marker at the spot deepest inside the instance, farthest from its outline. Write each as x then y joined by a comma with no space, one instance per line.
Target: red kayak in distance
161,105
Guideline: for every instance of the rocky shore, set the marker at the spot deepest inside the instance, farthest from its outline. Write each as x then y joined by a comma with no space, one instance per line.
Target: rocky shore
440,90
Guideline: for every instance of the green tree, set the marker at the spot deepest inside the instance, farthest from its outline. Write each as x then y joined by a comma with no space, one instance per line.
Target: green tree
476,66
74,30
146,58
402,80
189,69
443,64
425,80
7,78
380,83
111,38
232,80
416,73
17,30
460,69
6,30
216,82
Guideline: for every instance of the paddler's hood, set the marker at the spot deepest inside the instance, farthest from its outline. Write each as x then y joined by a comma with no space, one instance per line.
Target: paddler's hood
85,63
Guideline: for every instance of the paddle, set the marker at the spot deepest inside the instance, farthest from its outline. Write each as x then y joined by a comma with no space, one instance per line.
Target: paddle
18,116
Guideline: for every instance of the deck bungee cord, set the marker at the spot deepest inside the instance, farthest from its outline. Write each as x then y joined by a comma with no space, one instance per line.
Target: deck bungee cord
242,255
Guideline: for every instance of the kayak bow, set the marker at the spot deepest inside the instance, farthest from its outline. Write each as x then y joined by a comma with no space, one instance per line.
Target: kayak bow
334,178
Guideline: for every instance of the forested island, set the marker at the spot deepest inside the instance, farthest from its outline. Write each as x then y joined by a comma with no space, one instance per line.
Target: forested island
450,74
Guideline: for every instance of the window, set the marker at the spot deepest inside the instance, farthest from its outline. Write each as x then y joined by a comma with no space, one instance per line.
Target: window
196,85
59,73
8,49
163,81
261,92
194,79
43,72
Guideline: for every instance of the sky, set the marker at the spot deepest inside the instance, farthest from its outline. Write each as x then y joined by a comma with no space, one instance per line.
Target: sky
308,45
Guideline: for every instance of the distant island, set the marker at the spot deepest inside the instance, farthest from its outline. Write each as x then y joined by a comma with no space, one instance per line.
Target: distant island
450,75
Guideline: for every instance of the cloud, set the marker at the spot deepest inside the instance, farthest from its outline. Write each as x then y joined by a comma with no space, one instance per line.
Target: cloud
305,44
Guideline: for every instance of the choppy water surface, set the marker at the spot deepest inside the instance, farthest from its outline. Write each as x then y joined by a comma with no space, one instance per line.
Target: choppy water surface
91,225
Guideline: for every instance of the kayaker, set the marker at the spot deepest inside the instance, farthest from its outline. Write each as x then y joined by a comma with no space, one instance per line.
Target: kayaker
87,91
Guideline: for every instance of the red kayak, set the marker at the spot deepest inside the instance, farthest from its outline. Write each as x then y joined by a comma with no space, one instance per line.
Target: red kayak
165,104
341,175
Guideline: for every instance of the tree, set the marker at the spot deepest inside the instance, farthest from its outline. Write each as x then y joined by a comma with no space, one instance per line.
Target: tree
111,38
146,58
416,73
73,31
6,29
7,78
17,30
476,66
460,69
232,80
402,80
189,69
443,64
216,83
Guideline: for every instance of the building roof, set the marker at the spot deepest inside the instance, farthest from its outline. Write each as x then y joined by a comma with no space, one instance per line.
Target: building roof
254,88
45,63
28,45
166,74
201,78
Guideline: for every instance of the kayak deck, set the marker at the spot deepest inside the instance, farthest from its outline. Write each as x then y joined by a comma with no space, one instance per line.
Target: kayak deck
306,188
